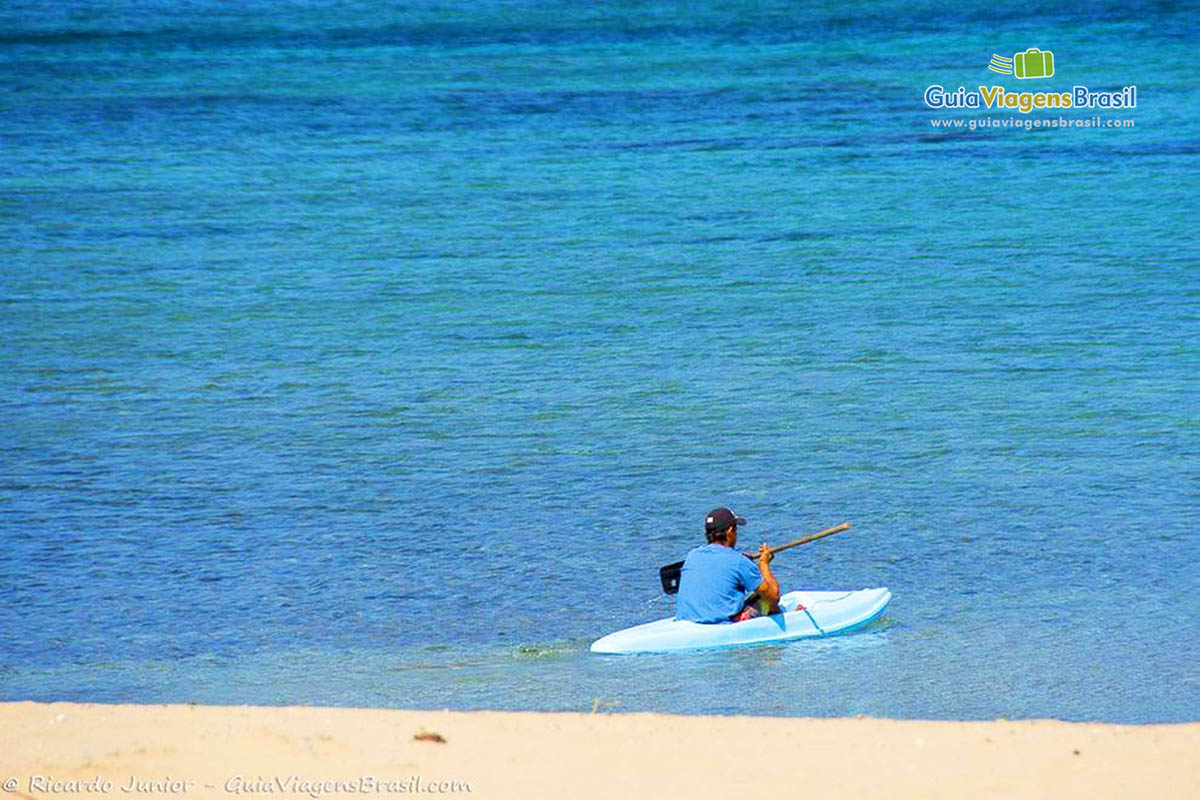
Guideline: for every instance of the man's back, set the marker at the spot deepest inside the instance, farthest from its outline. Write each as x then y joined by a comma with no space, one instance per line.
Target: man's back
714,583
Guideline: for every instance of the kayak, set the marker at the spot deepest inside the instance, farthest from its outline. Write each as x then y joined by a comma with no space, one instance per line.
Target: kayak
824,614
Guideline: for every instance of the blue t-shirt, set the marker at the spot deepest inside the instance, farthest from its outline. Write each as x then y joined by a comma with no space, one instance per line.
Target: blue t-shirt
714,584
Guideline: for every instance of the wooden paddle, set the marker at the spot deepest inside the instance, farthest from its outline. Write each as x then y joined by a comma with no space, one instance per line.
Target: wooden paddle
669,574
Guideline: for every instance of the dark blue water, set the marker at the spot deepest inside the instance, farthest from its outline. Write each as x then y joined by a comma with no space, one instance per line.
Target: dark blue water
362,354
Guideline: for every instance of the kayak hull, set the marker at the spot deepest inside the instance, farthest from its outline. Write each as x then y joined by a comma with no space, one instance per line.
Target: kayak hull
824,614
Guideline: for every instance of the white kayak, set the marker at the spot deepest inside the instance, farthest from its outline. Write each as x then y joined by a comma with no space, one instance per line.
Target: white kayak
824,614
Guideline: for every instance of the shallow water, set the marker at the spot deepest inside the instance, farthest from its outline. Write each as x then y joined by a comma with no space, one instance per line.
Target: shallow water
358,355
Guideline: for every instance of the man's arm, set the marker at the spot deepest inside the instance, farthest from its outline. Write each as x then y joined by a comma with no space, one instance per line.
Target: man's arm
769,588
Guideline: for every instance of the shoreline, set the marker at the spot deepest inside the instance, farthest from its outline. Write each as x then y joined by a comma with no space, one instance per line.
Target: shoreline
70,749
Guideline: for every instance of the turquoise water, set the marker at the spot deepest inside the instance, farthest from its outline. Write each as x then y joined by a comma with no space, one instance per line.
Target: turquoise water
368,355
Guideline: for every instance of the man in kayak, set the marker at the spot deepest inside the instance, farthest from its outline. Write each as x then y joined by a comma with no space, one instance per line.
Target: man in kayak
716,578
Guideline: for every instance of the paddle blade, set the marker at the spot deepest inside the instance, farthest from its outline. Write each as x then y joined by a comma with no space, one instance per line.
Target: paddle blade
669,575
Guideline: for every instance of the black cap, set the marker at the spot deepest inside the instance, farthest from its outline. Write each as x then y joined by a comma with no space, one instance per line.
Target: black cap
719,520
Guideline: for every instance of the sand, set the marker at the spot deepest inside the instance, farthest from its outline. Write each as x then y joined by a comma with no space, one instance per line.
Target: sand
68,750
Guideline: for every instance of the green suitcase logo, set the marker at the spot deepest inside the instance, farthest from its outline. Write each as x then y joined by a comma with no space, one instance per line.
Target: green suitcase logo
1033,63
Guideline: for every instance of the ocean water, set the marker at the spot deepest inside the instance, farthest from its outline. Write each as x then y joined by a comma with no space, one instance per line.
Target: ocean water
378,354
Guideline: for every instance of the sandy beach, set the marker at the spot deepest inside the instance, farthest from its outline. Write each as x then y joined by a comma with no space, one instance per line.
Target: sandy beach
67,749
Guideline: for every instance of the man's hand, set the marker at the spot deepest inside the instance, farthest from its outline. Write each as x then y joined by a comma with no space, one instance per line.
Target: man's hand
764,554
